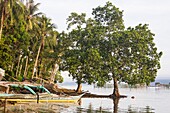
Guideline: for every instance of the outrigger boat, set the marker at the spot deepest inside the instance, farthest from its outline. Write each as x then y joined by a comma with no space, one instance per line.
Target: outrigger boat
35,96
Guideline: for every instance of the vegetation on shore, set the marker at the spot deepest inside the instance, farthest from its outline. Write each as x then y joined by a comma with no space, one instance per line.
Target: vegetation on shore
93,50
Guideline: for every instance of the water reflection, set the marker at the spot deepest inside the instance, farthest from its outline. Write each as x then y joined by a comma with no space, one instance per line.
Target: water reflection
115,105
130,109
147,109
101,109
91,108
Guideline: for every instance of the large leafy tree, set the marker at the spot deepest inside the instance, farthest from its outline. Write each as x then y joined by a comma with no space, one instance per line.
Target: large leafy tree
81,58
129,55
110,18
119,54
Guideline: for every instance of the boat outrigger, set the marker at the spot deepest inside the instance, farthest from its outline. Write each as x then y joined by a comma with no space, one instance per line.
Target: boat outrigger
30,94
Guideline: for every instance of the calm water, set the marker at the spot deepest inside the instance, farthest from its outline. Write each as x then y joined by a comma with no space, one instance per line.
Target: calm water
147,100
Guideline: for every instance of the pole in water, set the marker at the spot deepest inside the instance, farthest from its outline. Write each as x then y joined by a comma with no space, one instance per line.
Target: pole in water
37,97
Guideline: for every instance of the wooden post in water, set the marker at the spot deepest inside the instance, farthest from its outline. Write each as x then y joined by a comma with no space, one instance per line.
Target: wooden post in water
37,97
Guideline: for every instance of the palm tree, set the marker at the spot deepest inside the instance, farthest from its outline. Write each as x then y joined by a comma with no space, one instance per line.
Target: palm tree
31,16
8,10
31,9
44,30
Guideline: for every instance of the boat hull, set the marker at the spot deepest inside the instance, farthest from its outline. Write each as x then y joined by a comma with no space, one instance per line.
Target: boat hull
22,98
40,101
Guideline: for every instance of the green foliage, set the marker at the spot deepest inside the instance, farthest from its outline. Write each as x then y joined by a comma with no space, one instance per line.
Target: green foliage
5,57
59,78
23,32
102,49
81,58
109,15
143,56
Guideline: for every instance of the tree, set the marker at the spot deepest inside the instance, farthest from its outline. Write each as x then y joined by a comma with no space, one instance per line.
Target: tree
51,58
45,27
129,55
31,20
103,50
31,15
81,59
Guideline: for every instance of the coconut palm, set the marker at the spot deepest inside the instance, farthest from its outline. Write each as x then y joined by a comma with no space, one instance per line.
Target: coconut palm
31,16
9,10
31,13
44,29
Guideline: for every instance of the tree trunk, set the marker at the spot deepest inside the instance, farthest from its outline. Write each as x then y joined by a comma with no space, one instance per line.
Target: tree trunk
54,72
38,73
116,90
20,69
26,65
79,87
19,59
2,21
38,54
36,61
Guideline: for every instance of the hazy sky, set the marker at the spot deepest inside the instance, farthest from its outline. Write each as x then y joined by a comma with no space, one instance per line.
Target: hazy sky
156,13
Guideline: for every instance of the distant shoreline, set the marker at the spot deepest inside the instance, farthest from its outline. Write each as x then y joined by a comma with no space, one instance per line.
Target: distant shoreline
163,80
